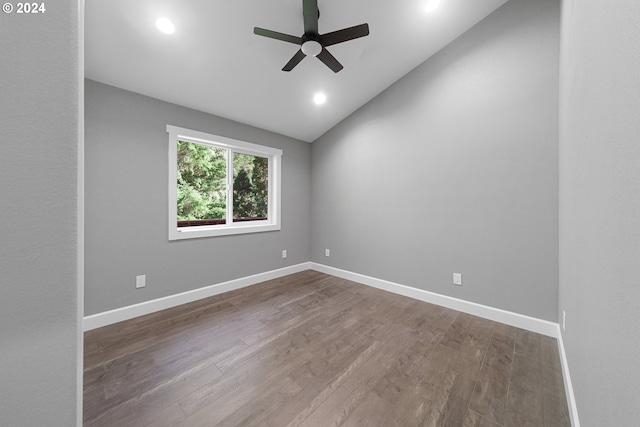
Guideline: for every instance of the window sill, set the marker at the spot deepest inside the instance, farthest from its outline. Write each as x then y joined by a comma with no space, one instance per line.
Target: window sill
220,230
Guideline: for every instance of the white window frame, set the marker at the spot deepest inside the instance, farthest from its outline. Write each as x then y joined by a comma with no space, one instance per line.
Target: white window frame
272,223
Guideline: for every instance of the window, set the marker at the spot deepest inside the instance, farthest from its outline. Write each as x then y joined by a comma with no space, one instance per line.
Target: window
220,186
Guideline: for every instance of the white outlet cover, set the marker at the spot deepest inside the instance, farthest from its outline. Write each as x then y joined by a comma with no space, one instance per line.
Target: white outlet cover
327,252
284,253
141,281
457,279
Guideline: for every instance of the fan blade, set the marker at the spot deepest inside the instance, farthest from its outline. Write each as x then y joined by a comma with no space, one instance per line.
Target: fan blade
310,14
329,60
344,35
277,36
299,56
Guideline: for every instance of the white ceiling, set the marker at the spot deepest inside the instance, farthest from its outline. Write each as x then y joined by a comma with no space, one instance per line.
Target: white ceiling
214,63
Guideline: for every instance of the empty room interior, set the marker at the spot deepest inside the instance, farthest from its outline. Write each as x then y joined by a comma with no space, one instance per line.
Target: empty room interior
321,213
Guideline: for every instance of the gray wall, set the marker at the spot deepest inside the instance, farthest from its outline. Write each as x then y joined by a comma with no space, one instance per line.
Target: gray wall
600,207
126,204
454,169
39,122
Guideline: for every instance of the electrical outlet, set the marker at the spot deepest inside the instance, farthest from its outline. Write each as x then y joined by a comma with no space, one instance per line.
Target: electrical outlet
141,281
284,253
564,320
457,279
327,253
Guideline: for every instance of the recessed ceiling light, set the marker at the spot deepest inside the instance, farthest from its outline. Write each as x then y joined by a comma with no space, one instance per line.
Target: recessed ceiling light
431,5
165,25
319,98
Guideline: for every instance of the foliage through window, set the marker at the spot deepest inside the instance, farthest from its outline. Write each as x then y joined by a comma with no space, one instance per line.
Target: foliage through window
220,186
250,187
202,182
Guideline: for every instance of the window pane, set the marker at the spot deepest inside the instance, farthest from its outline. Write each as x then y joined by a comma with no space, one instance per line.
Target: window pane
202,183
250,187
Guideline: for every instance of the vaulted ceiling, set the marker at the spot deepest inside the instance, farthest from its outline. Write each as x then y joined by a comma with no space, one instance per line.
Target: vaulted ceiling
214,63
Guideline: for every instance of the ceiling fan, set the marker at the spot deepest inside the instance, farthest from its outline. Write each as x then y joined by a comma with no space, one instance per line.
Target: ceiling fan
312,43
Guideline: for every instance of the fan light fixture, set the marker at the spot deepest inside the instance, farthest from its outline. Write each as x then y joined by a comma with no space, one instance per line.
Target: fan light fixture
165,26
320,98
311,48
431,5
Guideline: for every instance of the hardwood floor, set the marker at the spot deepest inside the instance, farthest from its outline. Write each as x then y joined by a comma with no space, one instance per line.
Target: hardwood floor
314,350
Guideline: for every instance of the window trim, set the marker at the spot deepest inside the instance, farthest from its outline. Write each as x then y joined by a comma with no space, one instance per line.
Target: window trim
233,145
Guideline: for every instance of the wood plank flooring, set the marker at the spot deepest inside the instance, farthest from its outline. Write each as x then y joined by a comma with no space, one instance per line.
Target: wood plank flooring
314,350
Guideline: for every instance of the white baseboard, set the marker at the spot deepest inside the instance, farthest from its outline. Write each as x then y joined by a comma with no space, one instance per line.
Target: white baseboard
568,387
125,313
510,318
533,324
